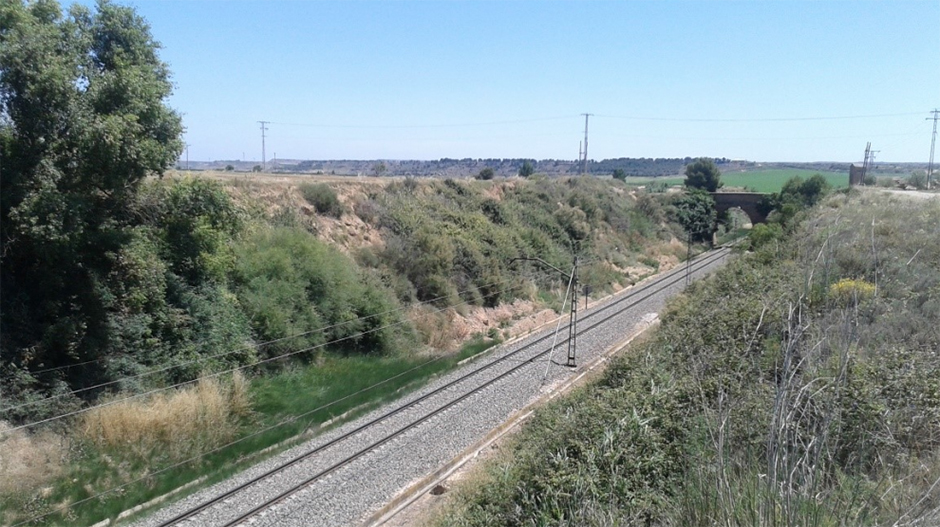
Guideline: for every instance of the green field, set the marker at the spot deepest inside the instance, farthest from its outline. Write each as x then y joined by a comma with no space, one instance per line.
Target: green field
772,180
765,180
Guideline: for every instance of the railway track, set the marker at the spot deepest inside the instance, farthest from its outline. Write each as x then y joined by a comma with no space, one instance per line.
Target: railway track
274,495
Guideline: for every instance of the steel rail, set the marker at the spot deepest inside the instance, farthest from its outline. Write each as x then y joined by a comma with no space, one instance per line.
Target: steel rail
669,279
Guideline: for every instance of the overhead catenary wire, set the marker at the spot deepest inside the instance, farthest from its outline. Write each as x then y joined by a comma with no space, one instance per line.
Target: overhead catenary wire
243,518
609,116
223,372
757,119
284,422
790,138
201,455
418,126
194,458
221,354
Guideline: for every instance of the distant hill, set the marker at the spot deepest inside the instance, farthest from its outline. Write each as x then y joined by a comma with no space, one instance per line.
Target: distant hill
469,167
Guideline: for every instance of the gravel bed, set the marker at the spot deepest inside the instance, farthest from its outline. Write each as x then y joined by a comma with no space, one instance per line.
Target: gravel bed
350,493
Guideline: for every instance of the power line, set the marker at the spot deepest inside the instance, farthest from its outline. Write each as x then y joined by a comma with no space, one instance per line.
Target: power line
757,119
611,116
229,352
220,373
439,125
201,455
752,138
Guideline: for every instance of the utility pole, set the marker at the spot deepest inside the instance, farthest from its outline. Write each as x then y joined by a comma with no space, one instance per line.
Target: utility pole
584,158
865,162
263,129
933,141
573,317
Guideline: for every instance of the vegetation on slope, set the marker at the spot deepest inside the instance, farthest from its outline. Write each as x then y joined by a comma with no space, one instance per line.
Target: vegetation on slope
145,321
206,286
799,386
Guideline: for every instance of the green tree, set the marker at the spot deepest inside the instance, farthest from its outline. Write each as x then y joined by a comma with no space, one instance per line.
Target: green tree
486,174
795,196
83,121
696,212
703,174
620,174
527,169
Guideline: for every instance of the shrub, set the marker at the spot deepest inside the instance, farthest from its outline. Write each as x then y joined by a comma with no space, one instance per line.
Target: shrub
290,283
918,180
323,198
486,174
195,220
848,292
765,233
751,405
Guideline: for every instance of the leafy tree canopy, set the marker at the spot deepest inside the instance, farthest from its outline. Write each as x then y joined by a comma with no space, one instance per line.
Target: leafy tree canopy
527,169
703,174
797,194
83,120
486,174
696,212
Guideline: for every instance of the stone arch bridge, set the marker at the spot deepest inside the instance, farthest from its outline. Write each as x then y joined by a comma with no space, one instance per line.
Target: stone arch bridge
746,201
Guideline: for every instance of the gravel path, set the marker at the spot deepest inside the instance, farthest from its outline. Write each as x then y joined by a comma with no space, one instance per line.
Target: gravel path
350,493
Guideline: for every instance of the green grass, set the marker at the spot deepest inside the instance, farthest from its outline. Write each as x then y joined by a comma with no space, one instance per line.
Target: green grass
732,235
772,180
762,180
644,180
796,387
296,396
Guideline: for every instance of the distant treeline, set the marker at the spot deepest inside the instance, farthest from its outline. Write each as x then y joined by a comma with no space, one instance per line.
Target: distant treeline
468,167
645,166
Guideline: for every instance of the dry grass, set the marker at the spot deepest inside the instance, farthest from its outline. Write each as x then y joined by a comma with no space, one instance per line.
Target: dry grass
668,253
27,461
179,424
438,329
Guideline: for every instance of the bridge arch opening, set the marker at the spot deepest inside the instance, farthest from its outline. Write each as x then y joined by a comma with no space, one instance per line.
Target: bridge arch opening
746,201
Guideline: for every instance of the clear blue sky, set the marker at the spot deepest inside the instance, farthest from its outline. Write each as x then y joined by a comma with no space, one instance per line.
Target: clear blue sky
430,79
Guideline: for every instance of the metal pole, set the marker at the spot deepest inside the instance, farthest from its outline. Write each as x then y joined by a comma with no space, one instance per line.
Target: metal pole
573,319
263,129
933,140
585,157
